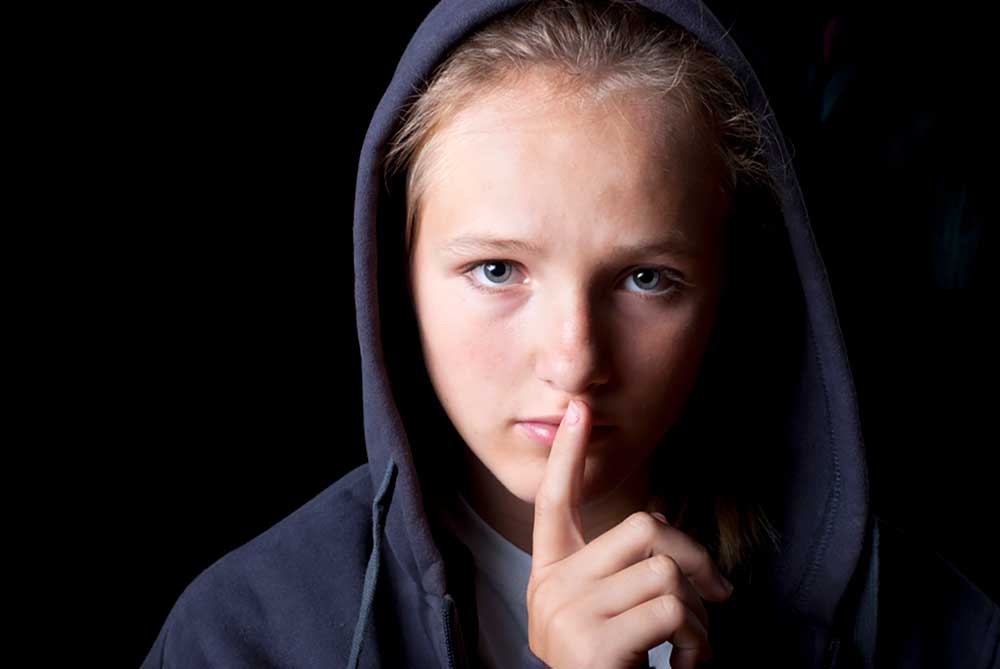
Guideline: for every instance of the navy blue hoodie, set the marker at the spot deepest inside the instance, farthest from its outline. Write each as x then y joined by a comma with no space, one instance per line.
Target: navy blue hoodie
362,576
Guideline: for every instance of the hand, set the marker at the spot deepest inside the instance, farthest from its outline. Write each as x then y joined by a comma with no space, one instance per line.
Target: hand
607,603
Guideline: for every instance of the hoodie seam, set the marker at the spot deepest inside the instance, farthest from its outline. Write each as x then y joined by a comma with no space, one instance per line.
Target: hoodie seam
380,506
821,545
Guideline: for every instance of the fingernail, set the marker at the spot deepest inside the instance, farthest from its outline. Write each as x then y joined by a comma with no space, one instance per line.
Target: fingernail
573,414
663,519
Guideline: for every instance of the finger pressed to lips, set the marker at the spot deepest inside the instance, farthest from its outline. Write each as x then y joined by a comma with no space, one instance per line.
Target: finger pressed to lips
649,577
558,531
559,535
545,433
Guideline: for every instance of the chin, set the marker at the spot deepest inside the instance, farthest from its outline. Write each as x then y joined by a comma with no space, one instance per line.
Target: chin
524,487
523,481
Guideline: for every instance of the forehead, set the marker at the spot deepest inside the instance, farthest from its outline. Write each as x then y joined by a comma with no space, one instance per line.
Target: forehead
532,161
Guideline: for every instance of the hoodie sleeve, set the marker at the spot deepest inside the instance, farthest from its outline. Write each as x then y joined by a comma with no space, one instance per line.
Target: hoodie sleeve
236,614
201,631
175,645
284,599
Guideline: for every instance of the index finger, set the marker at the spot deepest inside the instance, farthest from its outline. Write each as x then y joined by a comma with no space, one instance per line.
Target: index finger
558,528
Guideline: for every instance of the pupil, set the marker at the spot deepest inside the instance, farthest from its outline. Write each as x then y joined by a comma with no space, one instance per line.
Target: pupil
645,272
493,265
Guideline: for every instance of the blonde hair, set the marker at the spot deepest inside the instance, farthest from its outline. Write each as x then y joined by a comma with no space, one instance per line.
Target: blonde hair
596,50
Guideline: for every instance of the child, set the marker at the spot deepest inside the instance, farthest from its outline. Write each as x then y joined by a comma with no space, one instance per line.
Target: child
598,221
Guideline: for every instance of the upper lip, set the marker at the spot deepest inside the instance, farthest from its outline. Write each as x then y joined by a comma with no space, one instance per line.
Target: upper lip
557,419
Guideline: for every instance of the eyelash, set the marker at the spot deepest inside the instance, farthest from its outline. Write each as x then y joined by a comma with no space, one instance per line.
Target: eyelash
669,294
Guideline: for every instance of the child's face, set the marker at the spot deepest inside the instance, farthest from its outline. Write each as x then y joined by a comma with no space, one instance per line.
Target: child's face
574,319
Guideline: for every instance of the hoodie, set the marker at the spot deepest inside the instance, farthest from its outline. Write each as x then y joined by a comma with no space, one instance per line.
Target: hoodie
364,575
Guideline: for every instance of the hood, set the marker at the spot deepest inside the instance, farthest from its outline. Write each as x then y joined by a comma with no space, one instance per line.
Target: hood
804,429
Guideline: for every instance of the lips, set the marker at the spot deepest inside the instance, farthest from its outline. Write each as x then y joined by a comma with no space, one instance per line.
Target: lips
598,421
545,433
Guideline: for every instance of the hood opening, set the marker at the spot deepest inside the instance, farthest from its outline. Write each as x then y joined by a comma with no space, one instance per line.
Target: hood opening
776,363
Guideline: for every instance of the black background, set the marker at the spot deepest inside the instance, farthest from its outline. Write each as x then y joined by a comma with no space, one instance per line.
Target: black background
218,359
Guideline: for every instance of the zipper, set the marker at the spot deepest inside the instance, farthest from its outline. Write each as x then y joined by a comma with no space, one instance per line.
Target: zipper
447,631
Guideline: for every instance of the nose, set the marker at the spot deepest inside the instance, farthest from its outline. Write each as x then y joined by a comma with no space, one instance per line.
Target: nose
570,354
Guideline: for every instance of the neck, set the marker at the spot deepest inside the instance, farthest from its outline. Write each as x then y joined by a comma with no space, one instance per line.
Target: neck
513,518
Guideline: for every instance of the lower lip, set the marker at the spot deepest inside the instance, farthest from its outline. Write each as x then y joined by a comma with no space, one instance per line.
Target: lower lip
545,433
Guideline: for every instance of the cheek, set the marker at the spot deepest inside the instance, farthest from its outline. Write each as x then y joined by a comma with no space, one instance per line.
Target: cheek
469,356
480,356
662,367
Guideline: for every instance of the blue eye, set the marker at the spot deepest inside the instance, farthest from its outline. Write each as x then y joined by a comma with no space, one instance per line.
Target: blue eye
648,275
492,269
496,272
657,276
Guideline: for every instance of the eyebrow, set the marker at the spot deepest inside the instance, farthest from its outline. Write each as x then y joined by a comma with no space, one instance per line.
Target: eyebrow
470,245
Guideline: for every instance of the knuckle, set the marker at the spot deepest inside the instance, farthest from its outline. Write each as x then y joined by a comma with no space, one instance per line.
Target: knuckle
644,523
559,635
561,625
663,566
670,609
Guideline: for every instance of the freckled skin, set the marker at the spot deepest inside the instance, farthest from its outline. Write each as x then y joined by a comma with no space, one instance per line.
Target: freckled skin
522,163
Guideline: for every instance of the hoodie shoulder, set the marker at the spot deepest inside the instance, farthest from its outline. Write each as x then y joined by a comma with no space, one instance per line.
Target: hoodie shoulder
289,596
930,613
